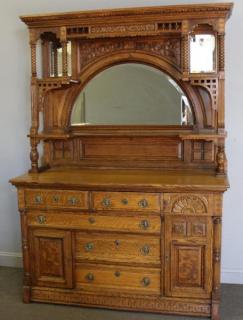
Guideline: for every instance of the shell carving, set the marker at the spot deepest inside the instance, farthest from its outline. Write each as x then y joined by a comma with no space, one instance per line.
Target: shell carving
189,204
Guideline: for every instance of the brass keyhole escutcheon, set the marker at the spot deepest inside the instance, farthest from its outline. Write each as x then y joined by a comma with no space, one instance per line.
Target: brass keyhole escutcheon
89,246
145,250
144,224
72,200
143,203
90,277
145,282
117,274
124,201
91,220
117,243
55,198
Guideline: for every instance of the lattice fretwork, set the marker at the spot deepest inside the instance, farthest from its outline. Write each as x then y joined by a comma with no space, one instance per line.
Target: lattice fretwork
211,85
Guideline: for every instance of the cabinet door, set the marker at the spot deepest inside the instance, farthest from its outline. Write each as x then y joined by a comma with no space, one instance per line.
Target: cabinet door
51,258
188,265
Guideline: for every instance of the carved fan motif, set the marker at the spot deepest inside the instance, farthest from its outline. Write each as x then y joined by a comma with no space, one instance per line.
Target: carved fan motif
189,204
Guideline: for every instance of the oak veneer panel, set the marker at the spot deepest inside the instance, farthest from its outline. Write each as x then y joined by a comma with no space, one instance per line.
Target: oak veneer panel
131,148
51,254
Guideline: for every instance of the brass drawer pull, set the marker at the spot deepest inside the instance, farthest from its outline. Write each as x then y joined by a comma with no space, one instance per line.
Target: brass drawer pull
145,250
117,274
143,203
72,201
90,277
145,282
106,202
91,220
38,199
41,219
124,201
144,224
56,198
89,246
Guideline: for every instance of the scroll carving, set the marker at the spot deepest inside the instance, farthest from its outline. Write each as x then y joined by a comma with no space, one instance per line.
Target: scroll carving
167,48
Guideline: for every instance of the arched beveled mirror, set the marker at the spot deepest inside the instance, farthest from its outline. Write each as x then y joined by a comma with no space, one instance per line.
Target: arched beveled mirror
132,94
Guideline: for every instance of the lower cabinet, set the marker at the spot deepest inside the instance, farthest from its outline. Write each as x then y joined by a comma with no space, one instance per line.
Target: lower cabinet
51,257
188,257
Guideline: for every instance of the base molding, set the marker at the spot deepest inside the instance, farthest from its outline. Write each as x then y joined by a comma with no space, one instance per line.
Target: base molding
125,302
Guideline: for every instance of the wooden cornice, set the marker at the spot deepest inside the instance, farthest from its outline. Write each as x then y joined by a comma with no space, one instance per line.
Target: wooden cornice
169,13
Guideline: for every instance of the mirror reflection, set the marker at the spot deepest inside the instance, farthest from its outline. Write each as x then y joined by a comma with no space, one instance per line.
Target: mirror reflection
202,53
132,94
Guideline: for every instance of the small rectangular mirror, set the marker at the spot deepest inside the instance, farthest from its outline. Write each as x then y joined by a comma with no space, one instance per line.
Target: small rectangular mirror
202,53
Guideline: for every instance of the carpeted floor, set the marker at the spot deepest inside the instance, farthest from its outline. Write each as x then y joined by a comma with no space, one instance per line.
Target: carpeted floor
12,308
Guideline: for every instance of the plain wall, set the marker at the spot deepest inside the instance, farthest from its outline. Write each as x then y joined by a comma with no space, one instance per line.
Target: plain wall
15,120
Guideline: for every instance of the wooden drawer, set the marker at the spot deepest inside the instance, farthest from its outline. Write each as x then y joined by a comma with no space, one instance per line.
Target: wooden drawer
118,278
117,248
141,224
126,201
188,203
39,198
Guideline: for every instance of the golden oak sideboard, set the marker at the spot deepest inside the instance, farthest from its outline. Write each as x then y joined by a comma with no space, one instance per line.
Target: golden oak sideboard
122,205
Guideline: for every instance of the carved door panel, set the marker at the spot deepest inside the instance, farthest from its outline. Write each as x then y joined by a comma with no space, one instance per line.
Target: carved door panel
52,257
188,265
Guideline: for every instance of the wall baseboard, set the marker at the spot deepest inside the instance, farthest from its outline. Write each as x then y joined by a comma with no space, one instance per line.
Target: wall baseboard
234,276
14,259
11,259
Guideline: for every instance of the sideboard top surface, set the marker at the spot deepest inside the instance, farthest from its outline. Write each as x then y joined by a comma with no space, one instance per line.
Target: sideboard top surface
160,180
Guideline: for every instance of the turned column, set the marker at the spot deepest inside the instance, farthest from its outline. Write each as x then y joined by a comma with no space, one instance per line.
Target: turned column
25,246
185,50
34,156
64,42
217,222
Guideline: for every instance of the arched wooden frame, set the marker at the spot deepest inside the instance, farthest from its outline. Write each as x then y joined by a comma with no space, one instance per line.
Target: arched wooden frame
99,65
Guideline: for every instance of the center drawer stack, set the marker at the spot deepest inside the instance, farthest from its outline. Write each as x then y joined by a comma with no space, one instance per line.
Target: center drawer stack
108,241
120,250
